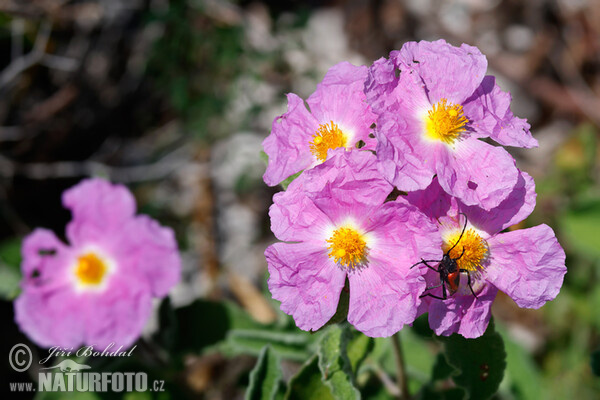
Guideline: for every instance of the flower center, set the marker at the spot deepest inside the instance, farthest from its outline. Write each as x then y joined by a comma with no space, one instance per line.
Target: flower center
445,122
475,250
90,269
328,136
348,248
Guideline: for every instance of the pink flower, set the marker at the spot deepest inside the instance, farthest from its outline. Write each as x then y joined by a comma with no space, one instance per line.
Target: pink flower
431,116
98,288
528,264
338,117
341,228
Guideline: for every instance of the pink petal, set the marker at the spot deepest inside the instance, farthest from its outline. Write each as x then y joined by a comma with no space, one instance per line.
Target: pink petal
514,209
462,313
477,173
448,72
117,315
306,281
488,109
51,315
347,184
294,216
527,264
150,252
384,297
97,206
288,145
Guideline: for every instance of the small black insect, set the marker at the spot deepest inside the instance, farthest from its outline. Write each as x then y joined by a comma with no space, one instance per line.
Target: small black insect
449,271
46,252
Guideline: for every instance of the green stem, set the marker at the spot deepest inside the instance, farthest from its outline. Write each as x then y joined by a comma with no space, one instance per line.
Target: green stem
400,368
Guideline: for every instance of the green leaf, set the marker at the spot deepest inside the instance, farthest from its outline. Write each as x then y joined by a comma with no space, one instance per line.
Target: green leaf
289,345
10,252
289,180
596,362
358,348
441,369
265,378
479,363
204,323
335,364
10,273
307,383
9,282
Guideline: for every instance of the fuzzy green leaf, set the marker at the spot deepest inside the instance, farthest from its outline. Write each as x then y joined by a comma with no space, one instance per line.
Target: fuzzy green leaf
265,378
335,364
307,383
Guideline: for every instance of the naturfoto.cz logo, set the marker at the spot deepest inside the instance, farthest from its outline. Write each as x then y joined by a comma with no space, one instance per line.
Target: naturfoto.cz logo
70,376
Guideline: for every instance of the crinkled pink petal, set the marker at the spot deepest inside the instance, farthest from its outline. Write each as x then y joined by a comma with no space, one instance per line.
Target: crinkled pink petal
380,83
288,145
118,314
51,315
477,173
403,159
384,295
448,72
340,98
98,207
514,209
488,109
306,282
150,252
347,184
462,313
294,217
433,201
527,264
403,234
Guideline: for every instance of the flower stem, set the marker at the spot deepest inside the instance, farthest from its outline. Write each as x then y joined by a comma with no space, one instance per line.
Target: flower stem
400,368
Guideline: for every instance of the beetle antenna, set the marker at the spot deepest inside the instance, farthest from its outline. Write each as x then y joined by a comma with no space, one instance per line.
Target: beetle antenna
461,234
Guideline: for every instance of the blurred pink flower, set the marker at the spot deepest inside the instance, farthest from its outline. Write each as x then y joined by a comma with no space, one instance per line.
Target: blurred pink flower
98,288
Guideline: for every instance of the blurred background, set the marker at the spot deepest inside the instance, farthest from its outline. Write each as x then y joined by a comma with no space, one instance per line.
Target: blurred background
173,99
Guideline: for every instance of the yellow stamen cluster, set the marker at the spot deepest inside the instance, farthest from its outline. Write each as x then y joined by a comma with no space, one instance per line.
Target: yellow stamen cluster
475,249
90,269
348,248
328,136
445,122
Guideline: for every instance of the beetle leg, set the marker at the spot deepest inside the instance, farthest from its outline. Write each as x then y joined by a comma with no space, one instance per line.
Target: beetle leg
425,262
469,281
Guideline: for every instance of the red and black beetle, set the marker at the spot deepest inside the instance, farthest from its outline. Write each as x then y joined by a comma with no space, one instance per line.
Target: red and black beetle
448,270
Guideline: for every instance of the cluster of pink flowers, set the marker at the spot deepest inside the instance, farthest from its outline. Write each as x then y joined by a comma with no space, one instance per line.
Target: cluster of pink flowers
411,122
